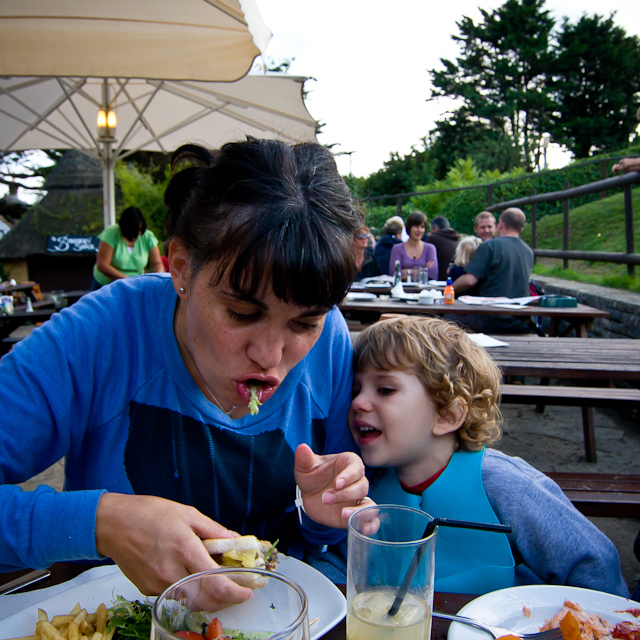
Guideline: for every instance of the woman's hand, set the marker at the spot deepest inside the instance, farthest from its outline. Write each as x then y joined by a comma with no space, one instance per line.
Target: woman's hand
332,486
156,542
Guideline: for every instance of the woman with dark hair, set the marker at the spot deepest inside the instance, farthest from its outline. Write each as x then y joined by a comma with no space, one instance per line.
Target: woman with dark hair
414,253
190,406
126,249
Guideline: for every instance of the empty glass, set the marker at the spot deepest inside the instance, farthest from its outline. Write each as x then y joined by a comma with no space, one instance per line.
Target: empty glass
278,611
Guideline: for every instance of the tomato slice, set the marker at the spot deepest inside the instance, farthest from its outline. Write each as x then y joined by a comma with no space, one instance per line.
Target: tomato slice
189,635
214,630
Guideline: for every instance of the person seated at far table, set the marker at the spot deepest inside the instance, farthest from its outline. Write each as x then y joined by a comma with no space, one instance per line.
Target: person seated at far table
626,165
463,254
499,267
126,249
484,226
414,253
445,240
392,232
424,411
366,264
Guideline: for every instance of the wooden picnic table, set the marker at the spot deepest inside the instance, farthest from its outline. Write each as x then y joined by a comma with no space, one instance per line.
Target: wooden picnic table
8,324
579,318
593,359
597,360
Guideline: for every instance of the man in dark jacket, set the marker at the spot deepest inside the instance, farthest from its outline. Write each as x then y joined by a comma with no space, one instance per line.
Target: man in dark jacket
445,239
392,231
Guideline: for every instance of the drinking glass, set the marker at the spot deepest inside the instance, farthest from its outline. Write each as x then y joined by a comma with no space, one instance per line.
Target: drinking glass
59,300
384,543
278,611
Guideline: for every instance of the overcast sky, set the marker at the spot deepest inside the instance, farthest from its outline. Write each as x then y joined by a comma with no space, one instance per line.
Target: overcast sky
370,61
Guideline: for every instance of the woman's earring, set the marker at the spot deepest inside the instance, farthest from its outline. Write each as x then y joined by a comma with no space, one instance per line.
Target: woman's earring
181,290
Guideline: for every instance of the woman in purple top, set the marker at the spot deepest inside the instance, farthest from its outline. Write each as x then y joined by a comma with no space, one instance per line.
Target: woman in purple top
414,252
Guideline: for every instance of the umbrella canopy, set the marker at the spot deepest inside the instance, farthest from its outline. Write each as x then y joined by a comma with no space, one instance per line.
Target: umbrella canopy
162,39
140,61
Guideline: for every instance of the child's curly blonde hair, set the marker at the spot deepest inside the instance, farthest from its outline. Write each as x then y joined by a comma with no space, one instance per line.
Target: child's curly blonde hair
450,366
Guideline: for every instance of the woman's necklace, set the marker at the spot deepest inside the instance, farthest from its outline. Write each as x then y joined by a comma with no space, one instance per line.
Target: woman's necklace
416,250
191,360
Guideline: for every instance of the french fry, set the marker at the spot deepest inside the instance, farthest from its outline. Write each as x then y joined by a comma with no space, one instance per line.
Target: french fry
96,636
76,610
37,636
48,631
73,631
42,615
109,634
101,618
58,621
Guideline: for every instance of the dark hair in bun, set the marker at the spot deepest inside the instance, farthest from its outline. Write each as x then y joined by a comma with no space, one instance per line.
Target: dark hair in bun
269,215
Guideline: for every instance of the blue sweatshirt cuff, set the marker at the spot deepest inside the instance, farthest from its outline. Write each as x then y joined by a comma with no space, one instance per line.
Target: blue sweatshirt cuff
64,526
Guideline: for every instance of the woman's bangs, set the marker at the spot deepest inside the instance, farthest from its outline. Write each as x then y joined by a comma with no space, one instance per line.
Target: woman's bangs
299,267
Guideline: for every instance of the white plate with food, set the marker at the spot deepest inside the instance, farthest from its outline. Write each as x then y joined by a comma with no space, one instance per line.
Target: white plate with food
103,584
357,295
525,609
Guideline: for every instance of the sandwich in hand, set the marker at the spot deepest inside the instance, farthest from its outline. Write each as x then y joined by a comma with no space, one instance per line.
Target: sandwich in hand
244,551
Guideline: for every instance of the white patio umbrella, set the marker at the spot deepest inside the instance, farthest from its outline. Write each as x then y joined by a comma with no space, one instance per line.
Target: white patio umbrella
154,65
152,115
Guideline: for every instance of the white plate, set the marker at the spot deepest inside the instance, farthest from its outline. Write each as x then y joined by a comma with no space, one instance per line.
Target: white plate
356,295
407,297
102,584
504,608
378,285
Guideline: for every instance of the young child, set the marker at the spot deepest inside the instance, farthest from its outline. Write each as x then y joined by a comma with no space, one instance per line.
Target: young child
425,406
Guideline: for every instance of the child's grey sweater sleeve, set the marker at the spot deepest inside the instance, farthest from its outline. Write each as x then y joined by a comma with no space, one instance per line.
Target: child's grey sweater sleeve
554,541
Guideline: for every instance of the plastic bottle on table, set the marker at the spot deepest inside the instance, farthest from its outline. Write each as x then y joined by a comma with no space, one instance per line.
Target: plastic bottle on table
398,274
449,293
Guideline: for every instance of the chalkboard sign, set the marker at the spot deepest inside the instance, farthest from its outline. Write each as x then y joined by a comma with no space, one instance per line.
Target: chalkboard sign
73,244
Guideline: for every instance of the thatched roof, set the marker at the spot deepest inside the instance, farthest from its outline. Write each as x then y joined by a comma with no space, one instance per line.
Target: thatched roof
72,206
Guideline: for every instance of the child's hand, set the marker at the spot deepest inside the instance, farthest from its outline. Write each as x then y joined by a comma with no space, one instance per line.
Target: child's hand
332,486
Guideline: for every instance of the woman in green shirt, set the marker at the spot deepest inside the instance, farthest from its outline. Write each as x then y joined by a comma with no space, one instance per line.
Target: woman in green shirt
126,249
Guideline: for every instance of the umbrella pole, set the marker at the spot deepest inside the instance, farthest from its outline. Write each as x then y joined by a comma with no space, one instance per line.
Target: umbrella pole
108,187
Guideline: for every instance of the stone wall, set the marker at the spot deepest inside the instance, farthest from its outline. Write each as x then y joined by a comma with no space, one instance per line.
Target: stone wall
624,306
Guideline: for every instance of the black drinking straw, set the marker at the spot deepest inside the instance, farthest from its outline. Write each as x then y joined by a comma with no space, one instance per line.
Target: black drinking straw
431,527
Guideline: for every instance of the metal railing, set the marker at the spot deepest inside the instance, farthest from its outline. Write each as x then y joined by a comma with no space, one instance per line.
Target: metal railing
630,258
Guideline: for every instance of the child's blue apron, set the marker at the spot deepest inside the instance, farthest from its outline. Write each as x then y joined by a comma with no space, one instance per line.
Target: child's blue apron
467,561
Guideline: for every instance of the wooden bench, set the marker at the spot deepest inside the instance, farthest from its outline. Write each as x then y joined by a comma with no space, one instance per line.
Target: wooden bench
584,397
604,495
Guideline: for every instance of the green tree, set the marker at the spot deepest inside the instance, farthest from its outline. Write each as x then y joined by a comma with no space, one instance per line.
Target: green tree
19,168
596,85
139,189
462,136
401,173
501,73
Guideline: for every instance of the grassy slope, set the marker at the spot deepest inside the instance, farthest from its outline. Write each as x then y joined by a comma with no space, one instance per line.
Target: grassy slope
597,226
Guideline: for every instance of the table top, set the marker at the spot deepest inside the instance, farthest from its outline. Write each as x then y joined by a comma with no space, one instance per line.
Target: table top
9,288
439,308
446,602
594,358
19,317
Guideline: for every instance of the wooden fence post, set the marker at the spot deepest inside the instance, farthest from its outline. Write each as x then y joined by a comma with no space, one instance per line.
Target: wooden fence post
628,225
565,226
534,215
489,195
